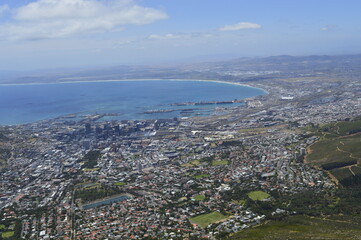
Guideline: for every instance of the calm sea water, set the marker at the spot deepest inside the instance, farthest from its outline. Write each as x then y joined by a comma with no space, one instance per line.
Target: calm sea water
130,99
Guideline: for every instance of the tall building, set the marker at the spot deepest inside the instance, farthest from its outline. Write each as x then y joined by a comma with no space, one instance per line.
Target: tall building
117,129
140,167
98,130
88,128
86,144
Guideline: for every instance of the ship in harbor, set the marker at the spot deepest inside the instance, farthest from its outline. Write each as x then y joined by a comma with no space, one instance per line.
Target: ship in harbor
206,103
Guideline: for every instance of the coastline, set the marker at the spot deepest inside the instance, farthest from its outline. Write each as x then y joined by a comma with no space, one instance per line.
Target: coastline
246,88
136,80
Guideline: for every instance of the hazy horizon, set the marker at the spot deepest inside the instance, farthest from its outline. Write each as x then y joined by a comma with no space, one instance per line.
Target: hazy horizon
55,34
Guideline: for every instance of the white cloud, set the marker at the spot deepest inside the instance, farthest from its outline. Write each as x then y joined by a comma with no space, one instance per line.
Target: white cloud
3,9
164,37
171,36
240,26
63,18
329,28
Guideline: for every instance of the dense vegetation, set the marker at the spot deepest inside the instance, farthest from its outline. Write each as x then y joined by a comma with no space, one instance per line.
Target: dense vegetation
91,159
331,214
317,215
304,228
10,229
339,150
342,128
333,165
96,192
332,151
231,143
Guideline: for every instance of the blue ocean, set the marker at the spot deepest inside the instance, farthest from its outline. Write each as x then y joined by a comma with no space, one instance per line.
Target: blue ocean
131,100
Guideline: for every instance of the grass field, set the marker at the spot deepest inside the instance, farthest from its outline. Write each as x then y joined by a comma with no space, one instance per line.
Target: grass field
119,184
220,163
344,128
7,234
200,176
188,165
338,151
206,219
90,169
2,227
258,195
302,228
352,145
86,186
240,202
199,197
192,163
326,151
335,150
339,128
195,162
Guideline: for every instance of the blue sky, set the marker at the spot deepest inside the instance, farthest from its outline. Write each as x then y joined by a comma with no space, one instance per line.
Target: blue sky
41,34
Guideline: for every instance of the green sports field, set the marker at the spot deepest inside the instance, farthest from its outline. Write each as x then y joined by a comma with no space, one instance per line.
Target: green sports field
206,219
258,195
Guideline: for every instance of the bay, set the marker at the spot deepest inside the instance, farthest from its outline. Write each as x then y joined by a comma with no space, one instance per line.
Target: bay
131,99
